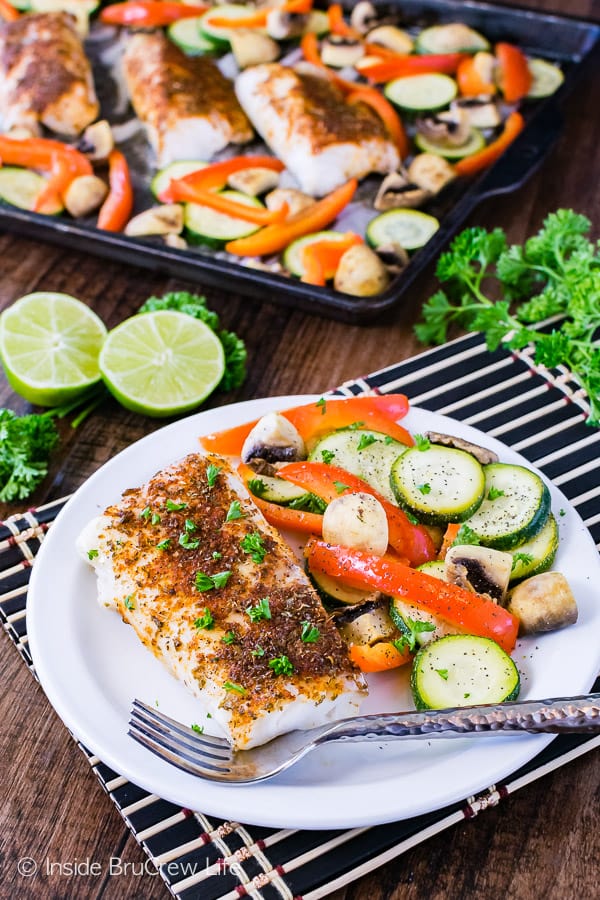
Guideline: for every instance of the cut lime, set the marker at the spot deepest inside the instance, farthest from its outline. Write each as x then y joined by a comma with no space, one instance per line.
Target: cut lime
49,345
162,363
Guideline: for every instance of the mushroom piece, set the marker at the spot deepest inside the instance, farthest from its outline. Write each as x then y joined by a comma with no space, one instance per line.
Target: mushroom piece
275,439
97,141
251,48
167,219
431,172
296,200
479,569
85,194
481,454
394,257
282,25
260,266
339,51
449,129
175,241
363,17
361,273
397,191
253,181
366,623
482,112
543,603
392,38
357,521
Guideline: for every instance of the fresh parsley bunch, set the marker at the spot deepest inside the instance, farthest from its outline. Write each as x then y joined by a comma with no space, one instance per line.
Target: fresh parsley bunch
26,443
195,305
556,272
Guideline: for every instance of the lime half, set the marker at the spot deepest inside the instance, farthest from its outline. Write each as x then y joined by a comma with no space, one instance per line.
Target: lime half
49,345
162,363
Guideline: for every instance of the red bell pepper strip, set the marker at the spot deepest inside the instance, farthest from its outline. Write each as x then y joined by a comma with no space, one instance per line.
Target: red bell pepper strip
214,177
470,165
153,13
40,153
329,482
322,258
474,75
8,11
274,238
450,536
115,212
294,519
467,611
378,658
387,69
386,112
514,77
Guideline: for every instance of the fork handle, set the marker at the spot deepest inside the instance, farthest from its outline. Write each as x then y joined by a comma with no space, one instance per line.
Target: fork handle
562,715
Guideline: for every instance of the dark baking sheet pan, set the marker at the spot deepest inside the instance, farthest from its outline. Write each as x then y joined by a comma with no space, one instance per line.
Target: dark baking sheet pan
572,43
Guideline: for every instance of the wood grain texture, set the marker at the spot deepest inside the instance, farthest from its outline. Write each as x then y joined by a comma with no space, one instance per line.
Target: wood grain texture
542,842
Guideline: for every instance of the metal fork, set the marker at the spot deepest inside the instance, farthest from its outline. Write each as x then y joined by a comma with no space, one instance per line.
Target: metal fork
215,759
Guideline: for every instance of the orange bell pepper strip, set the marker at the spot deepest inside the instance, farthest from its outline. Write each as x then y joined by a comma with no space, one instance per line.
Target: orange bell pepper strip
386,112
40,153
450,534
214,177
378,658
322,258
380,50
472,76
330,482
115,212
50,196
181,192
337,24
470,165
514,77
152,13
274,238
294,519
387,69
8,11
310,50
470,612
258,19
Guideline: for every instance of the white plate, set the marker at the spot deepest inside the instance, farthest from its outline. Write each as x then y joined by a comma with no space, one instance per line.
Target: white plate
91,666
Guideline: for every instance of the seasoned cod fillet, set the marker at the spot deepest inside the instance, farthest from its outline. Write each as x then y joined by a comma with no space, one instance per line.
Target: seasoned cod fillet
307,123
218,596
188,107
45,77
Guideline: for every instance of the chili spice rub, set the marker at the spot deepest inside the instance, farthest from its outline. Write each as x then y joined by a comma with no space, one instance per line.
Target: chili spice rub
214,592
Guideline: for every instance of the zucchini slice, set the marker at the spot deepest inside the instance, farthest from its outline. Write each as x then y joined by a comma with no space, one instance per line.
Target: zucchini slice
410,619
21,187
435,567
546,79
519,510
537,555
186,34
408,227
175,170
463,670
453,38
207,226
473,144
292,257
332,592
367,454
421,93
438,485
275,490
318,23
219,35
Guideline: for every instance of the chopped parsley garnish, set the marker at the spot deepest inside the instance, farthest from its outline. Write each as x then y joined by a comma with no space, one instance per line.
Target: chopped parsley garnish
175,507
310,633
365,441
234,512
189,525
327,456
237,688
412,519
129,604
258,651
424,488
212,473
309,502
281,665
466,696
494,493
415,627
206,620
229,638
466,535
340,487
443,673
199,729
520,557
421,442
206,582
322,404
92,554
155,519
262,610
257,487
354,426
254,545
187,542
562,512
217,555
146,513
164,545
388,439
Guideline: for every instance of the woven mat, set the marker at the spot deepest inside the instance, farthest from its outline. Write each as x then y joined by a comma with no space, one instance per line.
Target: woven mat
542,415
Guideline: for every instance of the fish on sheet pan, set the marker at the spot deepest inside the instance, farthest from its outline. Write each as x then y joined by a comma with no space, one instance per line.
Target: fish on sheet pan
217,595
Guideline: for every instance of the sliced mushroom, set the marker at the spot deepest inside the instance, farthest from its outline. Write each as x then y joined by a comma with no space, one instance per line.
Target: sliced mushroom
365,62
85,194
451,128
357,521
394,257
339,51
479,569
97,141
363,17
251,48
261,266
397,191
282,25
166,219
275,439
431,172
543,603
176,242
481,111
366,623
456,37
254,181
361,273
392,38
481,454
296,200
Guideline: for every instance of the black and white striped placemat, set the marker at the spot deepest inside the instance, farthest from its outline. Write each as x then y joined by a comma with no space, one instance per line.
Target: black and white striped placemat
539,413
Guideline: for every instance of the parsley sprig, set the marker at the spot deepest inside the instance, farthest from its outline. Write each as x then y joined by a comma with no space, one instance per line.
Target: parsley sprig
555,272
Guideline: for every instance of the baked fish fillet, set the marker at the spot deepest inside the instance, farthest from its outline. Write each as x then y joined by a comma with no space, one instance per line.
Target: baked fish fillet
188,107
217,595
45,76
307,123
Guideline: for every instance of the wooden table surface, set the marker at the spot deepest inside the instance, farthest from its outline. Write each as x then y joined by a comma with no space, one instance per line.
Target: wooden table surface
543,841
